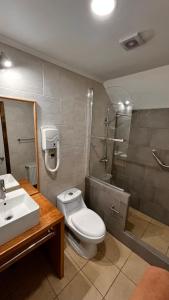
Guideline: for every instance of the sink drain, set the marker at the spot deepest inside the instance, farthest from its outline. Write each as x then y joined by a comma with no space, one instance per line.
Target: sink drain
9,218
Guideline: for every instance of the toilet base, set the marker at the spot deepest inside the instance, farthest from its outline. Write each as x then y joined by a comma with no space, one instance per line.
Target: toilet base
85,250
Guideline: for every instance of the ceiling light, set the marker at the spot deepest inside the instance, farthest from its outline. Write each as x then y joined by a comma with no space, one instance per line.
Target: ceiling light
120,103
5,62
127,102
103,7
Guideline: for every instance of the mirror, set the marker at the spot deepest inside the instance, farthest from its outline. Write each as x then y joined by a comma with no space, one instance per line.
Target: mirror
18,140
130,150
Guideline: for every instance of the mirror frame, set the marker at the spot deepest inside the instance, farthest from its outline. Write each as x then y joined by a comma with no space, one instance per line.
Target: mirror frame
34,104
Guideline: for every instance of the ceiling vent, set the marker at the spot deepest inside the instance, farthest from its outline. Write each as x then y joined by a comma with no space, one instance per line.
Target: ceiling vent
133,41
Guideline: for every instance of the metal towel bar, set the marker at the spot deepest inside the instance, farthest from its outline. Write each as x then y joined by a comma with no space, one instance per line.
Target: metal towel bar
20,140
33,246
155,154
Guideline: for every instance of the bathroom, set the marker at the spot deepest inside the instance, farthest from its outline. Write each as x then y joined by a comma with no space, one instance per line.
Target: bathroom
108,109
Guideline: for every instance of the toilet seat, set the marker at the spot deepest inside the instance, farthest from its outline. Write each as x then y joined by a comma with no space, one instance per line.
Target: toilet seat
88,223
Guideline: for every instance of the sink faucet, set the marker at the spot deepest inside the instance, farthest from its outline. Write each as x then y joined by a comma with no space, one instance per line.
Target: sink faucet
2,190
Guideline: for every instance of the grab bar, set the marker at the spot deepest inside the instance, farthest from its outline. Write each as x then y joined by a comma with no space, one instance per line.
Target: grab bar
27,250
155,154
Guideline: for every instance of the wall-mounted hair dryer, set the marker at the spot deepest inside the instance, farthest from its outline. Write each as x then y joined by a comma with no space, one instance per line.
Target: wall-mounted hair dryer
50,141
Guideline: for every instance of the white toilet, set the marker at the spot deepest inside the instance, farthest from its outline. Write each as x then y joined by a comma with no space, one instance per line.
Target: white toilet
85,228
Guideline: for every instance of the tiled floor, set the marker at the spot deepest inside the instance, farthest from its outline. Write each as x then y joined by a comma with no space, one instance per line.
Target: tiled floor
149,230
112,275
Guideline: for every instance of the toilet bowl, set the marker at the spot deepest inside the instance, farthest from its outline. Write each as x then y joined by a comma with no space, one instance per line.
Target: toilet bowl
85,229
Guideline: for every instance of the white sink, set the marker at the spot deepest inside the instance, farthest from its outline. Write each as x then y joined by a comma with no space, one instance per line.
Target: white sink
10,181
18,213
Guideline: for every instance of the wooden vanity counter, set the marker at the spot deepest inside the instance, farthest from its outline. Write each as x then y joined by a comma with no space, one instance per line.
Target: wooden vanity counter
50,230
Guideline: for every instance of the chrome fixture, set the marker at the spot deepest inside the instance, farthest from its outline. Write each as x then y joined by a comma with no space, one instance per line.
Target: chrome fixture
90,93
156,156
2,190
109,139
104,160
5,62
114,210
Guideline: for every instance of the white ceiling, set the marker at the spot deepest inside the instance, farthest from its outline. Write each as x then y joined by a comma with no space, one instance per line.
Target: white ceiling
68,33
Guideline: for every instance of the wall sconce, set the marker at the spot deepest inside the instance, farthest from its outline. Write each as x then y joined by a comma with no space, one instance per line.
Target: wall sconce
5,62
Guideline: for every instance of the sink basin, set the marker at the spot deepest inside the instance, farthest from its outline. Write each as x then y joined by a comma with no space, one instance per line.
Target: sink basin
18,213
10,181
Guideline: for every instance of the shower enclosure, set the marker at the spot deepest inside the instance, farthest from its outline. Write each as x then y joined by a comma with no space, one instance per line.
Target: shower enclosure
109,149
129,149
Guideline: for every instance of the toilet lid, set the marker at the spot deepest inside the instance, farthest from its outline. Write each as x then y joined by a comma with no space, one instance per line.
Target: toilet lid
88,222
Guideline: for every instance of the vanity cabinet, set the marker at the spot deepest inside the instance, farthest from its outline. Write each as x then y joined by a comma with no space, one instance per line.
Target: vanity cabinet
50,230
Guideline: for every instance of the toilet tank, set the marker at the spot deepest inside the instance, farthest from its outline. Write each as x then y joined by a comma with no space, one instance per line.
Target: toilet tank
70,202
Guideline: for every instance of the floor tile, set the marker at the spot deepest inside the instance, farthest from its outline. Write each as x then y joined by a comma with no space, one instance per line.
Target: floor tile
30,272
136,225
158,223
135,212
80,261
153,236
114,250
101,273
167,253
161,231
135,267
121,289
70,270
41,291
80,288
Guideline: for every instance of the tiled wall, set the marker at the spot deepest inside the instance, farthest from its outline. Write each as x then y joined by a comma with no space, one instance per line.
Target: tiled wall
141,176
62,101
109,202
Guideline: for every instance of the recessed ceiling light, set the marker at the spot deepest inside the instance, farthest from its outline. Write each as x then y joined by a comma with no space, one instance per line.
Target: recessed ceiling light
5,62
103,7
127,102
